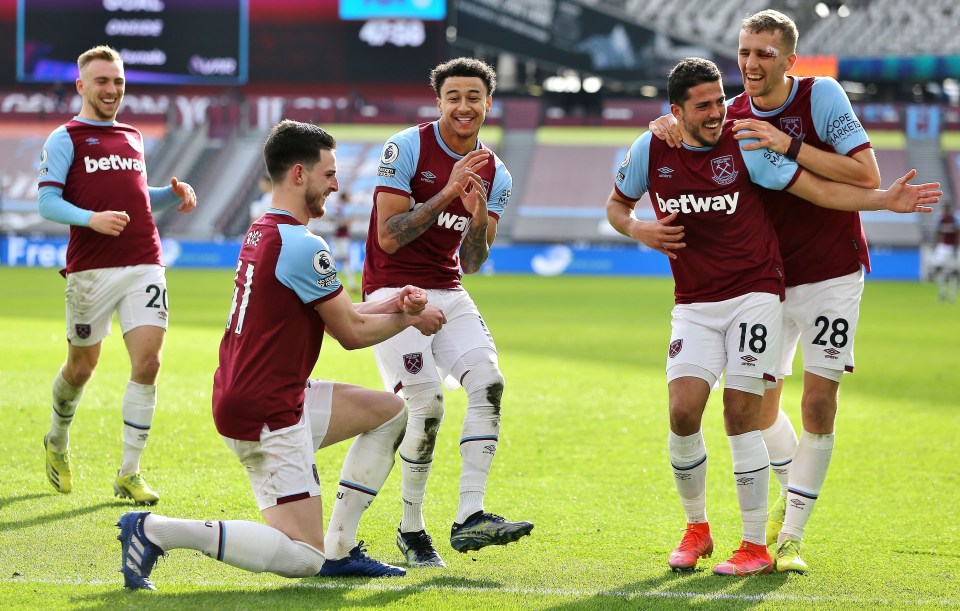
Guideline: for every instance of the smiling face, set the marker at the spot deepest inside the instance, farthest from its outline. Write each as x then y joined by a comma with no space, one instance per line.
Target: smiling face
319,182
463,106
101,86
764,62
700,117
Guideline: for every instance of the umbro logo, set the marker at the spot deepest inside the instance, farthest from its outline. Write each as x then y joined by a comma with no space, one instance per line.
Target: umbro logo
745,481
665,172
748,359
92,141
428,176
832,352
797,503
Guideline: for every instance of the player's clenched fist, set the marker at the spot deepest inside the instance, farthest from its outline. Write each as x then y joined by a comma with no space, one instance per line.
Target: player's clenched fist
430,320
109,222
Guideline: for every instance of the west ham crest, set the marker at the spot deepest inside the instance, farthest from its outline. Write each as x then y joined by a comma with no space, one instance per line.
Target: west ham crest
134,142
792,127
724,171
83,331
675,347
413,362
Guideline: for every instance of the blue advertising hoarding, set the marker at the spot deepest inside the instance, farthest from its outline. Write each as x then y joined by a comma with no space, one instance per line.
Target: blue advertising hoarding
538,259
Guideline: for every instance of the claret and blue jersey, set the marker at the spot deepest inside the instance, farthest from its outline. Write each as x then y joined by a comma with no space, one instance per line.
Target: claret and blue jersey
715,191
816,243
416,163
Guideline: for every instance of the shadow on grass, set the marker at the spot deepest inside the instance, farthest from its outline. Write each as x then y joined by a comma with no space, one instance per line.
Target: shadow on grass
683,591
53,517
10,500
303,593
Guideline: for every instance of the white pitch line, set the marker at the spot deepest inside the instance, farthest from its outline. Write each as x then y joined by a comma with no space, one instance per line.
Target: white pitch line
568,593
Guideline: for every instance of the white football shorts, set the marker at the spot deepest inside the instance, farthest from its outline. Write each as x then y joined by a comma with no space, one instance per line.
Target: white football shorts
413,358
944,256
823,317
740,335
138,293
281,466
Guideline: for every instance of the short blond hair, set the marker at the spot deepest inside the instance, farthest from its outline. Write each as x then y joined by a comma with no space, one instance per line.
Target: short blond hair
773,21
99,52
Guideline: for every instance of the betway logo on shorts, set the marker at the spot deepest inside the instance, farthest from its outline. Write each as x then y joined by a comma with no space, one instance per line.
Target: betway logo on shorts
452,221
688,204
113,162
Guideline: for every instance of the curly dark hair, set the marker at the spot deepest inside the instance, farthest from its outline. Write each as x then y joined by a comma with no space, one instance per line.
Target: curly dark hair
463,66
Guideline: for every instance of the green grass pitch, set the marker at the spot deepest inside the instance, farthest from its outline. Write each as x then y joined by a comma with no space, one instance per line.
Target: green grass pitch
583,456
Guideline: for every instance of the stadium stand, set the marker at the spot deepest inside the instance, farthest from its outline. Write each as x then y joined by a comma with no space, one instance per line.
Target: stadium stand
212,138
887,27
870,28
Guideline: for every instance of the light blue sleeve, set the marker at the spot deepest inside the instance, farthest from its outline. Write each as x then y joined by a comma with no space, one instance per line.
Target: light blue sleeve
55,160
632,177
162,198
833,116
305,264
768,168
398,160
500,189
53,207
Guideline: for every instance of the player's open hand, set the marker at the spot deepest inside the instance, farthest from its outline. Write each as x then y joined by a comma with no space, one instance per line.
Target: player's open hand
430,320
185,192
666,129
109,222
766,134
660,235
469,165
473,195
904,197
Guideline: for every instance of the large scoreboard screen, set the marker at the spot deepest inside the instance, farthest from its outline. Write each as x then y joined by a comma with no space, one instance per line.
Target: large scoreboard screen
161,41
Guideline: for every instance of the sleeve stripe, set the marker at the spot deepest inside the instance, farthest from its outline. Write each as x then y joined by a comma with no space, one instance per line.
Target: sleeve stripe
626,197
796,175
389,190
857,149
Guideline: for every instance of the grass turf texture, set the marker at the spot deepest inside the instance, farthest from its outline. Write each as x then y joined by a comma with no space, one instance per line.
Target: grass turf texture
583,455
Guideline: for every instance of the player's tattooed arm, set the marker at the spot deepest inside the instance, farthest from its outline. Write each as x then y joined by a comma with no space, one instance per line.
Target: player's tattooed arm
406,227
475,248
399,225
